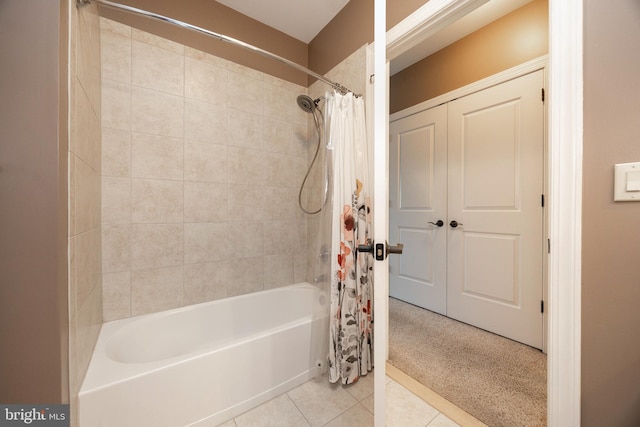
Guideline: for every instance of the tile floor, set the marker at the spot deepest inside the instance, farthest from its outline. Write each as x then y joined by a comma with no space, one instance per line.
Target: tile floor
317,403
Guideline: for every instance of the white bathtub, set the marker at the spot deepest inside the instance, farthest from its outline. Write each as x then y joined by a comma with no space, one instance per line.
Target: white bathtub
204,364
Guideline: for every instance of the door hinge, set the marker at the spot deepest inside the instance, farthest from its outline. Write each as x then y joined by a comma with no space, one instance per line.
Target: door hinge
548,246
541,306
542,94
542,200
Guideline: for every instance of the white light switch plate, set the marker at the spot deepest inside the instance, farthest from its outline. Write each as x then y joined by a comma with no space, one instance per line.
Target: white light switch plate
626,185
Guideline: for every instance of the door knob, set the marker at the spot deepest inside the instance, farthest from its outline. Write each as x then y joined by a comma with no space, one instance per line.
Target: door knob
367,247
397,249
439,223
380,250
455,223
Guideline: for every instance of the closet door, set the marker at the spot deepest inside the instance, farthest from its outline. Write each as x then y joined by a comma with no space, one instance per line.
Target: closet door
495,252
417,201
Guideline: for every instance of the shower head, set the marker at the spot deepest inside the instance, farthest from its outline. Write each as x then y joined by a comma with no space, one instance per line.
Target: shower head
307,104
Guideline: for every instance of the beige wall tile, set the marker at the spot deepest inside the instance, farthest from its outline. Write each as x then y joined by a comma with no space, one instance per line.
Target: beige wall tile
114,27
87,263
279,136
205,162
247,202
116,295
302,144
301,270
205,122
116,105
157,113
205,282
199,55
116,152
246,71
156,245
205,202
72,194
280,102
116,200
246,166
116,248
116,55
155,156
205,82
156,289
245,130
246,93
278,270
156,201
205,242
246,275
88,55
157,68
280,237
87,197
281,170
152,39
246,239
282,203
86,139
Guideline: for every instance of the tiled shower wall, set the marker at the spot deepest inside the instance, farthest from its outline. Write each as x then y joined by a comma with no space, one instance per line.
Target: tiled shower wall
351,73
201,165
85,290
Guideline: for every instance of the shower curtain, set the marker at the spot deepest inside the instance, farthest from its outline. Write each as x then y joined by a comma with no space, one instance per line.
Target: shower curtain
351,328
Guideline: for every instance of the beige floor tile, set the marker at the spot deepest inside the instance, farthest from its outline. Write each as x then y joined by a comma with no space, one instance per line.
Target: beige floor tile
443,421
362,388
357,416
279,412
320,402
404,409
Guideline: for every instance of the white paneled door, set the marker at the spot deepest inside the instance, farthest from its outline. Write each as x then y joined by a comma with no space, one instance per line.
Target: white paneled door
418,208
491,242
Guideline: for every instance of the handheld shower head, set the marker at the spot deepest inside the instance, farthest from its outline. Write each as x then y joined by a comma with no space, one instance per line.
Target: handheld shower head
306,103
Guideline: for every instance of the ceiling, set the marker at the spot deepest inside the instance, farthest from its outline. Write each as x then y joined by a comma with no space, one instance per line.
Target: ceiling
301,19
304,19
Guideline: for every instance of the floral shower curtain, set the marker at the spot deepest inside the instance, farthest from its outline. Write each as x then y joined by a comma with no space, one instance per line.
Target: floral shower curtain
351,328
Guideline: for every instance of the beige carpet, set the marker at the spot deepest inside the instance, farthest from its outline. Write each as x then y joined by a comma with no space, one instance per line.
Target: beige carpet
499,381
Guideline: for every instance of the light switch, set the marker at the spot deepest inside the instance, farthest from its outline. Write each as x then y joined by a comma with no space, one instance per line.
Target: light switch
627,182
633,181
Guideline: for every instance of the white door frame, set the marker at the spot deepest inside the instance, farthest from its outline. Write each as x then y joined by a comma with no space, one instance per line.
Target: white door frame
565,180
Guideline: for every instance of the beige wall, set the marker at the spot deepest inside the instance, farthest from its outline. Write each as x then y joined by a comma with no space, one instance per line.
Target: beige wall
33,207
351,28
216,17
85,281
511,40
202,161
611,230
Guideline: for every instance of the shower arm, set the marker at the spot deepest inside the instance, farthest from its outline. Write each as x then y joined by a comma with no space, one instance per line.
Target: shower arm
337,86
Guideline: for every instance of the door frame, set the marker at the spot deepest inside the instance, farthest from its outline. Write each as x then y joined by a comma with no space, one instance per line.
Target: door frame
565,138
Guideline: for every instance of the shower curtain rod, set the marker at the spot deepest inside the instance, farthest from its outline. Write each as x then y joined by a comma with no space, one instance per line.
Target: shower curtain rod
337,86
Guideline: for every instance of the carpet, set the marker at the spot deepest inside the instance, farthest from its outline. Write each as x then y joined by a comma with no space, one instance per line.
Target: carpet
499,381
